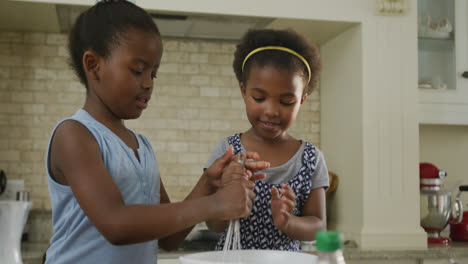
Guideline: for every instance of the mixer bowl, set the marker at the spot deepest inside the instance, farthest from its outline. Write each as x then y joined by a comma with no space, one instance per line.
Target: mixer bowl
249,257
436,210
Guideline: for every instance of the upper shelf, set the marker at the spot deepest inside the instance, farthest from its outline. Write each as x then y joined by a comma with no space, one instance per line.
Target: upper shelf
436,44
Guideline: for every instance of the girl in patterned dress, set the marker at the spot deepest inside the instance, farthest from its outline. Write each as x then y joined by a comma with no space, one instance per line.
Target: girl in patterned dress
277,70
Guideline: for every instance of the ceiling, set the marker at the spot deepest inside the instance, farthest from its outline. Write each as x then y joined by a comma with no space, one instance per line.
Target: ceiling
58,18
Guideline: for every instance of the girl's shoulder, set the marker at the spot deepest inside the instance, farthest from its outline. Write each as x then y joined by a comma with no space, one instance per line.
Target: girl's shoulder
220,148
312,156
308,148
235,141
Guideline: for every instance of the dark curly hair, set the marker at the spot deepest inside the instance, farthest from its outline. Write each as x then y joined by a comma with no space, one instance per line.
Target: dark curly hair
100,28
287,38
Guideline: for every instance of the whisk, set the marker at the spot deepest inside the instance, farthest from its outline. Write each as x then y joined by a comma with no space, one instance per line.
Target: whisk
232,241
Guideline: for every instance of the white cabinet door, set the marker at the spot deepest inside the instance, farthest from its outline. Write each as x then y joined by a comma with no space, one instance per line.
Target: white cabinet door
443,61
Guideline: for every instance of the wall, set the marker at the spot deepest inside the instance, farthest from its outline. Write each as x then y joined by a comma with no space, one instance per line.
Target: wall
341,111
196,102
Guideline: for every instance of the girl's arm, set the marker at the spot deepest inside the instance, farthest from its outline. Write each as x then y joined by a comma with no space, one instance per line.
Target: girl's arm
76,161
236,171
209,183
313,218
172,241
217,225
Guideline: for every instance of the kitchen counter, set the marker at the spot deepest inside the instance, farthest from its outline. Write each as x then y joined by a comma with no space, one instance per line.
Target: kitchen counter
456,251
32,254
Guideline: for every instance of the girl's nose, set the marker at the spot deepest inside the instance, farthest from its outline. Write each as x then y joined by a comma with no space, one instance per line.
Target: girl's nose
148,82
272,110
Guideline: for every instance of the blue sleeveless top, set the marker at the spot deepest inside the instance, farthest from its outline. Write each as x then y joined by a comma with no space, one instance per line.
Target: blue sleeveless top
76,239
257,231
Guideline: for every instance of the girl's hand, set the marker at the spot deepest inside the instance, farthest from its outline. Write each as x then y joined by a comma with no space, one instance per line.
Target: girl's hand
236,170
234,199
253,165
215,171
282,207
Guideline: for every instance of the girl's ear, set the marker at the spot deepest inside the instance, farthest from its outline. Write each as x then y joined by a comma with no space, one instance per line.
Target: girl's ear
91,65
242,88
303,98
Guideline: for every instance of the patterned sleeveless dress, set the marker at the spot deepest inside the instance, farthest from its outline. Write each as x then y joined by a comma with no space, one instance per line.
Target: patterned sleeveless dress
257,231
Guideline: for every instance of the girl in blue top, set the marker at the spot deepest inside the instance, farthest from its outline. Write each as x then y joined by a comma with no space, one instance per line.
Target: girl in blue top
277,70
109,204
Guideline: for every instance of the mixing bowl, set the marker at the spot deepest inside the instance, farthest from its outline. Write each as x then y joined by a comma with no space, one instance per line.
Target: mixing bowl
249,257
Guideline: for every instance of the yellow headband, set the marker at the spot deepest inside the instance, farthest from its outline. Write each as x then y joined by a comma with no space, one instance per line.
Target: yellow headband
277,48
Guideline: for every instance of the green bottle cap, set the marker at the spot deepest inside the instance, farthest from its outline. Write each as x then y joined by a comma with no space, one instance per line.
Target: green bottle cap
329,241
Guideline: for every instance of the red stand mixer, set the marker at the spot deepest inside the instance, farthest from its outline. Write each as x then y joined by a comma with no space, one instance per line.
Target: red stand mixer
459,231
436,204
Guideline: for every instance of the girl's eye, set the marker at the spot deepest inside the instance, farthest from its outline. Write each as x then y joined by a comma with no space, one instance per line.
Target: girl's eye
288,103
258,99
137,73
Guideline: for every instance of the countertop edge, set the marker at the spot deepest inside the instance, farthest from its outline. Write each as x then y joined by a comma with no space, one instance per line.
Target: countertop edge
34,251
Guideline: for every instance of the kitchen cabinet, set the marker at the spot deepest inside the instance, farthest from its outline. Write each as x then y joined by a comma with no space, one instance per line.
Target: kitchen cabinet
443,61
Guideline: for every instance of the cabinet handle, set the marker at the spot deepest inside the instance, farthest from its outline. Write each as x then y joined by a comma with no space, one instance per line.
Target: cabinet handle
465,74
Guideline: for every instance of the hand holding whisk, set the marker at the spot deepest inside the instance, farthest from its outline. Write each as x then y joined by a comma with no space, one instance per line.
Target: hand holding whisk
232,241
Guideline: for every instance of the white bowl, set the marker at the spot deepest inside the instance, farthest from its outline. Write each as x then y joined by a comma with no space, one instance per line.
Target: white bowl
249,257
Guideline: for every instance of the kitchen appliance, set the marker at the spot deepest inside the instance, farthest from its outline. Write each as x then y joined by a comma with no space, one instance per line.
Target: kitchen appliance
11,189
459,231
249,257
436,204
13,216
3,182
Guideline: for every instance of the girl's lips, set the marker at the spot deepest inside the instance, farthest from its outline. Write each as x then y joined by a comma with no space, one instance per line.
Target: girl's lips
142,103
268,125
